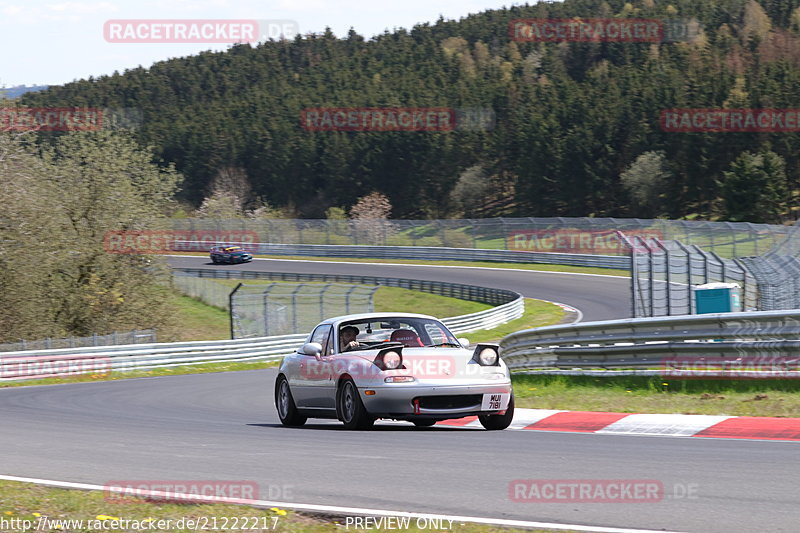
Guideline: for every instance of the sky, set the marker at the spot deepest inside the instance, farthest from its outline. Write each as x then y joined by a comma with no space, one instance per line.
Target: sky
51,42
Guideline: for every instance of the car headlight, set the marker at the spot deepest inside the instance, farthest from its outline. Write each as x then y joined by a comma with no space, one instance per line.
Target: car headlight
486,355
392,360
389,359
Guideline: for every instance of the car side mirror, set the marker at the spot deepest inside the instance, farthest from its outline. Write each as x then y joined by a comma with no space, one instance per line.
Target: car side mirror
312,348
464,342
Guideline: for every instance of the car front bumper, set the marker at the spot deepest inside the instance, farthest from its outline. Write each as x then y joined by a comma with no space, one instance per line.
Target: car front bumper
439,402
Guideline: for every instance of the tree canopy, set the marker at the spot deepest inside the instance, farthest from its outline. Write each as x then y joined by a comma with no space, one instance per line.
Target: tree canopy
568,118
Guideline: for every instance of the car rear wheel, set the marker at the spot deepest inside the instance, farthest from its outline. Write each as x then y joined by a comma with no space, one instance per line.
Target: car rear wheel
351,408
495,422
424,423
287,411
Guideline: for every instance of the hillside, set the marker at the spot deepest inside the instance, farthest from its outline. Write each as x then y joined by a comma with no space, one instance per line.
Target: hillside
571,118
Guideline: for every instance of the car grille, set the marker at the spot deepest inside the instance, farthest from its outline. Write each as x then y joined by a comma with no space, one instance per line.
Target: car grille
449,402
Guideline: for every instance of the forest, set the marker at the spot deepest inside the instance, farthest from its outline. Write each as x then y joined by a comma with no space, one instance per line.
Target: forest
575,129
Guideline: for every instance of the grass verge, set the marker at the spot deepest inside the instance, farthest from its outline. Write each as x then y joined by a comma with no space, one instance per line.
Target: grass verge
156,372
394,299
44,506
645,394
539,267
196,321
537,314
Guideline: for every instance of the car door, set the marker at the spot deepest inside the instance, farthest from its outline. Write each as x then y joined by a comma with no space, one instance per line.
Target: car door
313,373
327,384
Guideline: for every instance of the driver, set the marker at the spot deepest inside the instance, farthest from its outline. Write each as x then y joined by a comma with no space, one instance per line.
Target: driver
347,338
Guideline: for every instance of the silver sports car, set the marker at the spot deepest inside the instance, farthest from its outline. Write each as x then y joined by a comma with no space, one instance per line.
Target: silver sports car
358,368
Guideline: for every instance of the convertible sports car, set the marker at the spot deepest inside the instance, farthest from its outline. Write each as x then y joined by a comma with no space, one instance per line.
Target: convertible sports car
229,254
403,366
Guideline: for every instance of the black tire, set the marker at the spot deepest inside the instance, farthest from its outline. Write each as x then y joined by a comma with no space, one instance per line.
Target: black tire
350,407
214,260
284,403
424,422
497,422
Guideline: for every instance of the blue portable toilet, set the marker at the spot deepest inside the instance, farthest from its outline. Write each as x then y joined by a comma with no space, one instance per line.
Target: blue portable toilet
717,298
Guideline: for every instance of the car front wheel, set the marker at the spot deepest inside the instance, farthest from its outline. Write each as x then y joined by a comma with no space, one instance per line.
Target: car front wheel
494,422
287,411
351,408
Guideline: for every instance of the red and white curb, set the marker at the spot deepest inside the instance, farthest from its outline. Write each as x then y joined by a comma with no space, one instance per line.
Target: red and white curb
675,425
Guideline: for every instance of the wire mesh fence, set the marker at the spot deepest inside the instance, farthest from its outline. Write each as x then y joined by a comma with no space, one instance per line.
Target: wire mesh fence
137,336
263,309
664,274
534,234
285,308
208,291
778,274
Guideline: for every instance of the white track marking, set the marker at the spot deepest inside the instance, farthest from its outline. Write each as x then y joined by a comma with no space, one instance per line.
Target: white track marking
658,424
526,417
332,509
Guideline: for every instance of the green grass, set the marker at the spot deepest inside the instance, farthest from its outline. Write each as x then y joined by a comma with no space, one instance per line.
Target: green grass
196,321
393,299
644,394
486,264
25,501
167,371
537,314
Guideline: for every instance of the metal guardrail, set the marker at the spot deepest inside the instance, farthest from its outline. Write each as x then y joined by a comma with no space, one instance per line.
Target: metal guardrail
754,344
487,319
72,361
426,253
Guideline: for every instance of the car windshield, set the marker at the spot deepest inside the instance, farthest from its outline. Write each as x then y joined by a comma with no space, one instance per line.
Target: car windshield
410,331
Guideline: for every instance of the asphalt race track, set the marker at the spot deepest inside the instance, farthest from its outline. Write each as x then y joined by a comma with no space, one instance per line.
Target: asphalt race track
598,297
224,427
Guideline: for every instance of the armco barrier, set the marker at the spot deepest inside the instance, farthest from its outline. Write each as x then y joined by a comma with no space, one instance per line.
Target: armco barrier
53,363
72,361
430,253
755,344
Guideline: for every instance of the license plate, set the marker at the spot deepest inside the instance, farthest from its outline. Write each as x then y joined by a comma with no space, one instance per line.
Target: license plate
495,402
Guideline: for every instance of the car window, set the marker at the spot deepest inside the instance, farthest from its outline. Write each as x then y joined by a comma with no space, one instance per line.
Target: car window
429,331
321,335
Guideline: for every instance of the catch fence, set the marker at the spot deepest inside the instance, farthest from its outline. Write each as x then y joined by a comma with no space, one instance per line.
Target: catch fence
137,336
268,309
597,236
663,274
